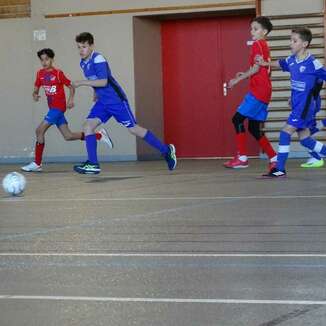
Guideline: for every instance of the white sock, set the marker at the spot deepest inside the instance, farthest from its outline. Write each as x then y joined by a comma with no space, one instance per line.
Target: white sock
273,159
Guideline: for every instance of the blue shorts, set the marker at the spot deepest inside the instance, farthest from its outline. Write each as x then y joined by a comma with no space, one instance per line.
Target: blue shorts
55,117
120,111
297,122
253,108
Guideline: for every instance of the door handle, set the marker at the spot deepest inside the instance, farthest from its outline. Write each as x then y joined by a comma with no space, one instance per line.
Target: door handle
225,89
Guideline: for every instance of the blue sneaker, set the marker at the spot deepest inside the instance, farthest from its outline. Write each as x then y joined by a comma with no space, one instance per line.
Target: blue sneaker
171,158
87,168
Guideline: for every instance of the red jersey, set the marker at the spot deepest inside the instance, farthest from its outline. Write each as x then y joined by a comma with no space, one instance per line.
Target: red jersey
260,83
53,82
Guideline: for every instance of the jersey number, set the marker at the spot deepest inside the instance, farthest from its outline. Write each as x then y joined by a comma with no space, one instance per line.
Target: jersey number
50,89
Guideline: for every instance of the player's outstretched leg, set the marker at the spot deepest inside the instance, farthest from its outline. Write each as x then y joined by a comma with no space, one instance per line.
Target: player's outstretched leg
91,166
36,165
240,160
265,145
313,145
168,151
101,135
315,160
282,156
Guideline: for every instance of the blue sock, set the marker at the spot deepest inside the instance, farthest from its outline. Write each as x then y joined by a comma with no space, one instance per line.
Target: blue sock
315,155
314,130
283,150
153,141
91,146
313,145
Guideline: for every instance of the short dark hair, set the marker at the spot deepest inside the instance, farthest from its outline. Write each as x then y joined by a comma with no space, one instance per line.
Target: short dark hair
47,51
85,37
265,22
304,33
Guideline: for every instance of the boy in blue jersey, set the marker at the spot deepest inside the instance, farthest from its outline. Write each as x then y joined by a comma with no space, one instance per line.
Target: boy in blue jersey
305,72
110,101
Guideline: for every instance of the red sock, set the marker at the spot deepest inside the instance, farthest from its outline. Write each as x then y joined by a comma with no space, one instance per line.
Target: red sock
241,142
266,146
38,153
98,136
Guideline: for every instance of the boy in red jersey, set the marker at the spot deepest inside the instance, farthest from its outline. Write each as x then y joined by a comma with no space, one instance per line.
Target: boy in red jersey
53,81
254,105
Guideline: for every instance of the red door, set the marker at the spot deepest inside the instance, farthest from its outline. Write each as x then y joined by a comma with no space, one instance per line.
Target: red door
199,55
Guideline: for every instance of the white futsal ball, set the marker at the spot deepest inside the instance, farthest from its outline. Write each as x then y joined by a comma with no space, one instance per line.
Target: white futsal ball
14,183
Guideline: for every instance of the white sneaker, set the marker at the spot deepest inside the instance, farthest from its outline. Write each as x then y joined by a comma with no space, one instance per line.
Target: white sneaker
106,138
32,167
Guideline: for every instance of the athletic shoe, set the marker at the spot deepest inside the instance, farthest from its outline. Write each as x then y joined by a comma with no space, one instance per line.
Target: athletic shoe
272,165
106,138
32,167
313,163
171,158
87,168
236,163
275,173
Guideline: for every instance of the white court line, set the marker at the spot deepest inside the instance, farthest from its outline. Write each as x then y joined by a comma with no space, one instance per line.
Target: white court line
23,199
185,255
160,300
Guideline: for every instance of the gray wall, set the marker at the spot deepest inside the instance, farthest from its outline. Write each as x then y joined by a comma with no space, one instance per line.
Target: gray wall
125,40
114,35
148,81
16,78
286,7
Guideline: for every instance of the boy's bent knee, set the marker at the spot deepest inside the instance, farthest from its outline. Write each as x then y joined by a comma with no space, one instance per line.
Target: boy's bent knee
238,122
138,131
39,131
289,129
88,128
68,137
133,131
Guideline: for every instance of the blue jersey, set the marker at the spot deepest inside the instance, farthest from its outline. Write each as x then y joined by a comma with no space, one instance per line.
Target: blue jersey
319,86
97,67
304,83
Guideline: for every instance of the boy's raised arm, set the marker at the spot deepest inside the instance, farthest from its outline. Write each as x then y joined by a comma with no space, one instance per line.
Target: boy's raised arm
243,75
35,94
70,102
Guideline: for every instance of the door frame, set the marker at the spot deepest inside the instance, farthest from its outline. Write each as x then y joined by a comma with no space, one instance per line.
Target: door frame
148,92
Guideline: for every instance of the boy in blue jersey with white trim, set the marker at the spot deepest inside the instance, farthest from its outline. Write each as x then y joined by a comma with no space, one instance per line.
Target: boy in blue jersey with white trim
305,72
111,101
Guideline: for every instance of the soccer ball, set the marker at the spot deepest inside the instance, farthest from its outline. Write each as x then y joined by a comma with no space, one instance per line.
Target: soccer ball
14,183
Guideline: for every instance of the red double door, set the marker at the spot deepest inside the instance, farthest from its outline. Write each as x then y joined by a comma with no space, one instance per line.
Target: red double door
199,56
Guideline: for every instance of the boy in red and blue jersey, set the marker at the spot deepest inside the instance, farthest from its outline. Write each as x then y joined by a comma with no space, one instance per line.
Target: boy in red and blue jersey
53,81
111,101
255,103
